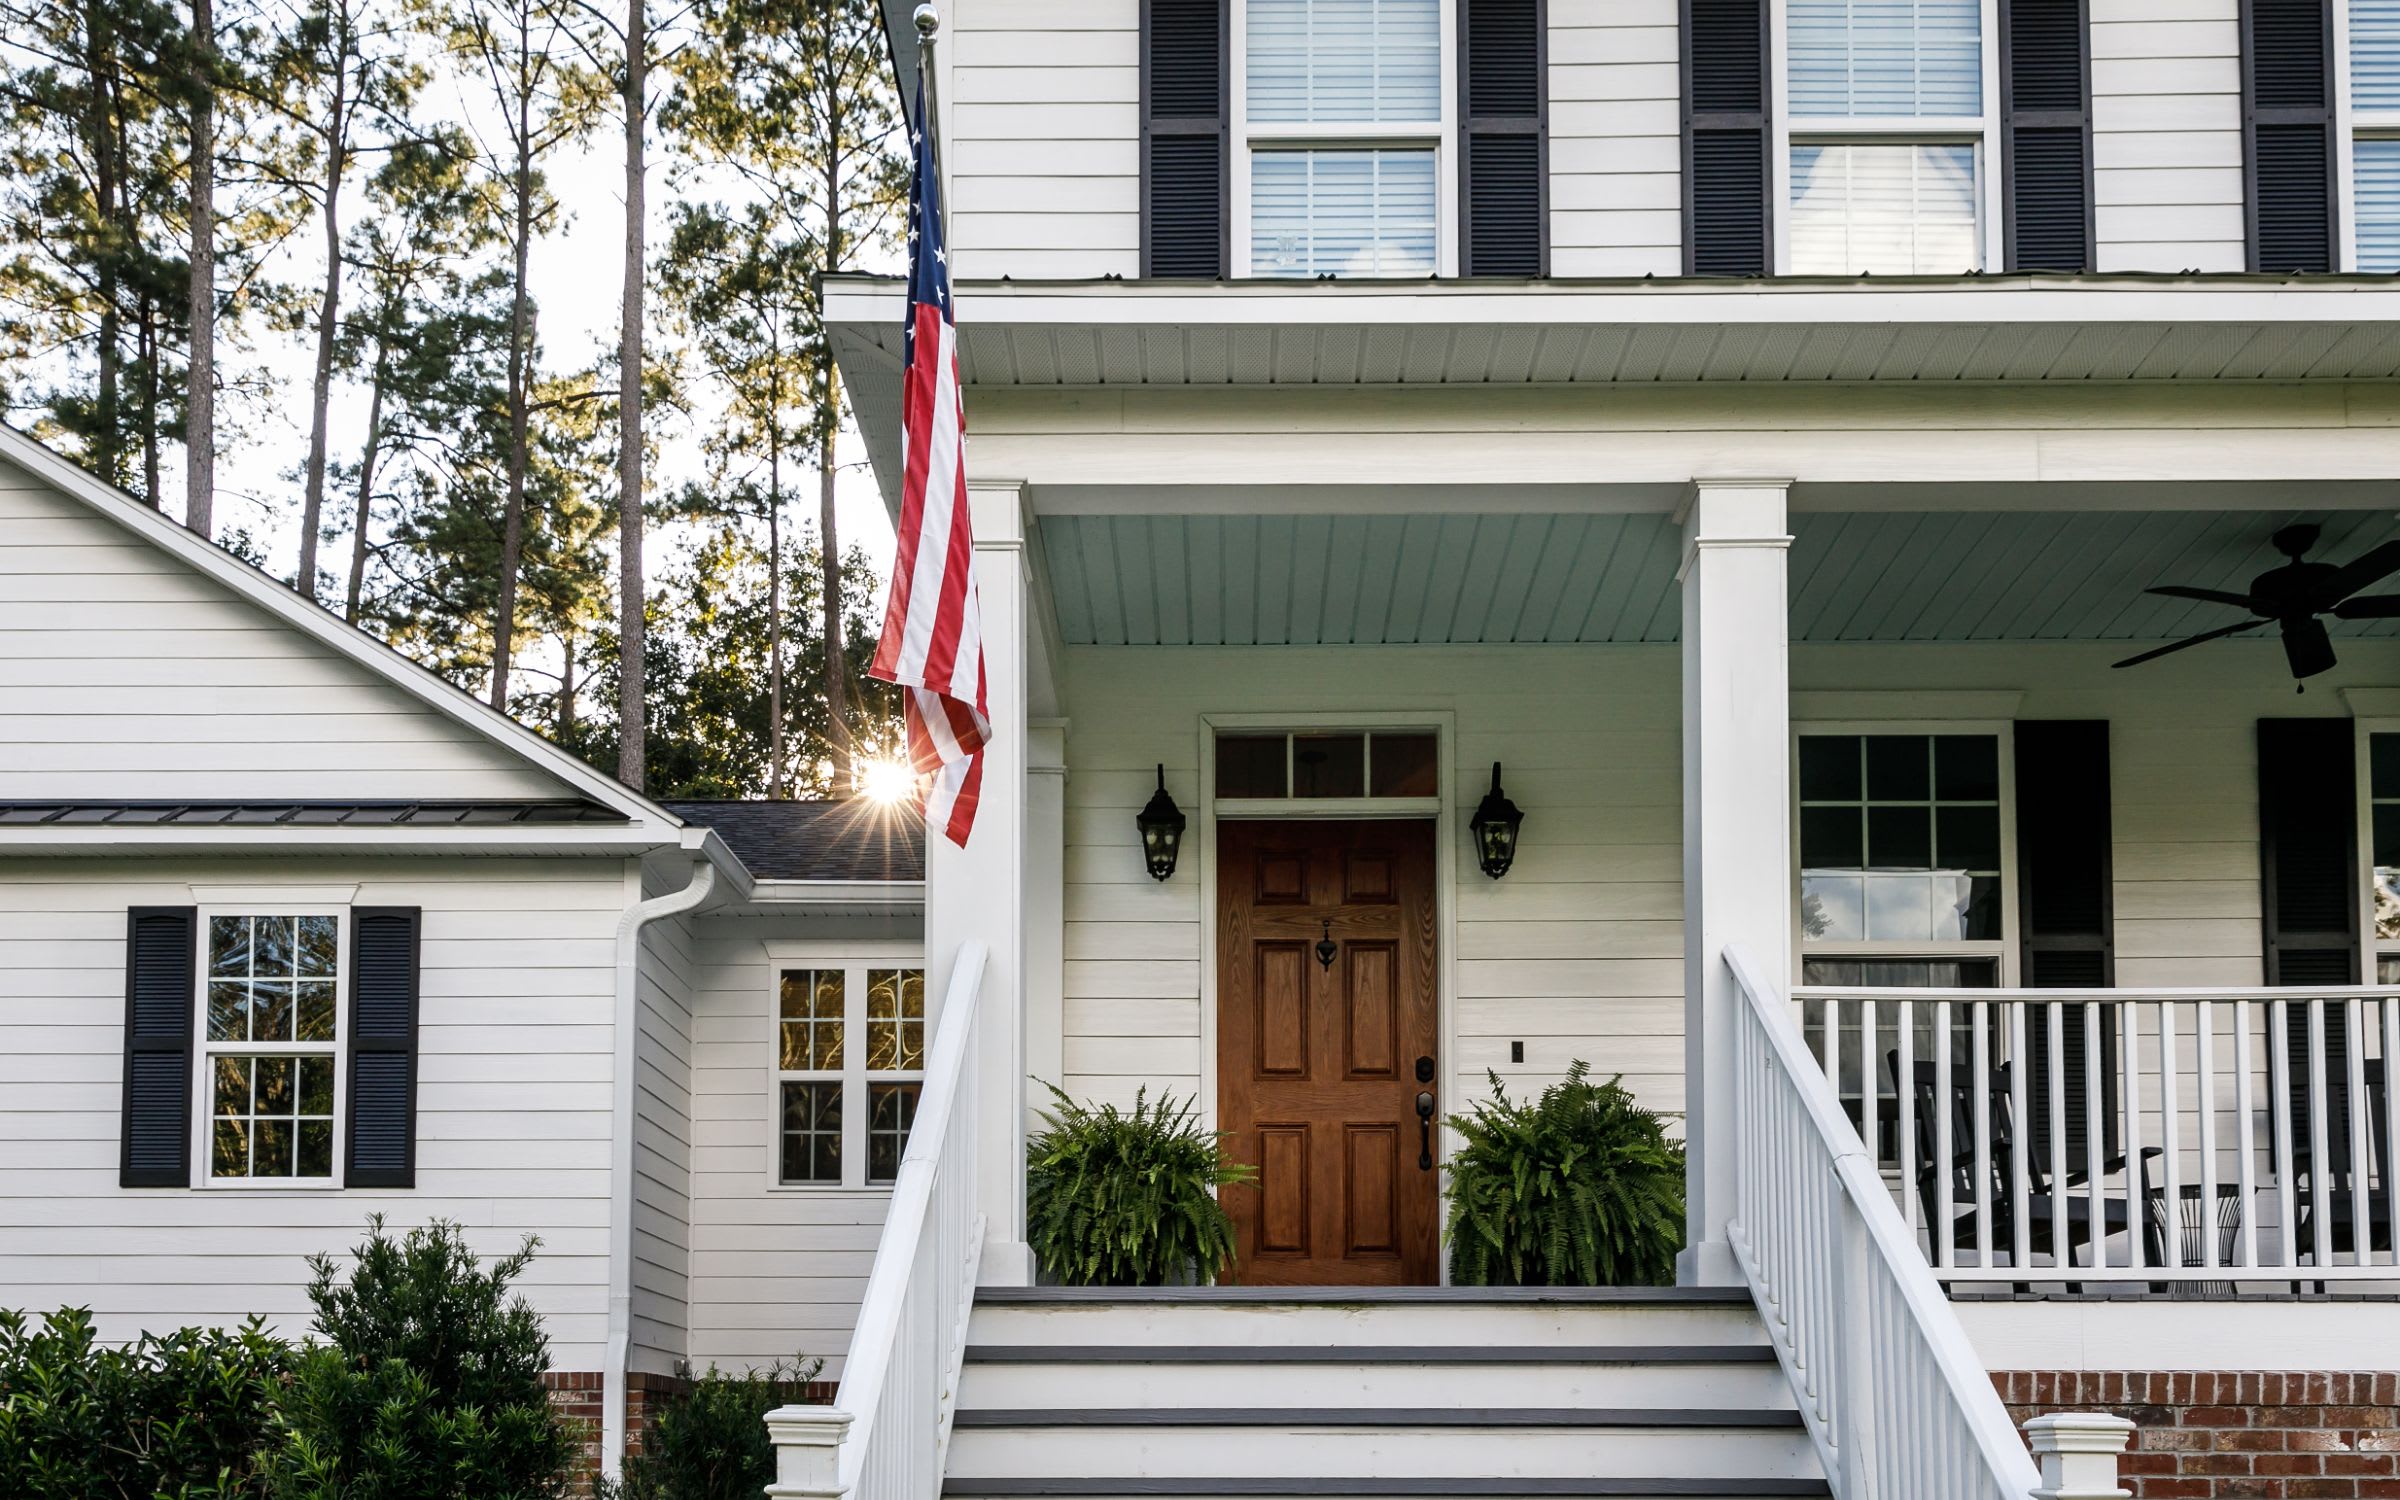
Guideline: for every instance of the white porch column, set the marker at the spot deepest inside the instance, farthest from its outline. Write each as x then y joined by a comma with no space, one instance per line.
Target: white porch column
1736,817
1045,912
978,892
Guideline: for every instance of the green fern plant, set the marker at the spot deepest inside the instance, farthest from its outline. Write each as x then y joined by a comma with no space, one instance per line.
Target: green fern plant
1128,1198
1583,1187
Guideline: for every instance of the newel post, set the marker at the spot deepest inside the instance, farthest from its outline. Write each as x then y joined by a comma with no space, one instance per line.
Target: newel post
2078,1454
808,1451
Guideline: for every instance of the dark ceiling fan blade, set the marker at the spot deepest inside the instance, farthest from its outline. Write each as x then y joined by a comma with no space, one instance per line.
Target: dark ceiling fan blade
2190,640
2369,607
2208,596
2373,566
2306,646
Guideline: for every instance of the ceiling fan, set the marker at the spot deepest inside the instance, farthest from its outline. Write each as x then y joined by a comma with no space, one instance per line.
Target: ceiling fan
2292,597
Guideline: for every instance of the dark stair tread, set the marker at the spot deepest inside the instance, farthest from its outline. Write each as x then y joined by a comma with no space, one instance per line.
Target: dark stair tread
1350,1354
1367,1296
1391,1489
1377,1416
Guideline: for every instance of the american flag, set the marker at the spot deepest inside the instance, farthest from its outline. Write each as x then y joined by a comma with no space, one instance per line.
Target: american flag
932,642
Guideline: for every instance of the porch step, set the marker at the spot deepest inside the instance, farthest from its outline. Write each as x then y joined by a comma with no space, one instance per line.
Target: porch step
1427,1393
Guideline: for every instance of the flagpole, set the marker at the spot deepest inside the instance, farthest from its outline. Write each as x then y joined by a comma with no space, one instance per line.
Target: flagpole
928,21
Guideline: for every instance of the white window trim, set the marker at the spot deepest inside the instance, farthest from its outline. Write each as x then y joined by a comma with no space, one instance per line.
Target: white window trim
1980,130
205,1051
2371,948
1442,137
2004,948
2350,126
854,960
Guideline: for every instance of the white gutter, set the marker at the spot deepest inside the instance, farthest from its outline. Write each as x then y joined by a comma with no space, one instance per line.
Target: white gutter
621,1121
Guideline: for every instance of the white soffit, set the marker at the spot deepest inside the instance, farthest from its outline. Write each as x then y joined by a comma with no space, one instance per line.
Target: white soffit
1233,580
2036,328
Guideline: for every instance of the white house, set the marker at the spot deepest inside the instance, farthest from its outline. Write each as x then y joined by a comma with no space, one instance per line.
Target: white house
1745,434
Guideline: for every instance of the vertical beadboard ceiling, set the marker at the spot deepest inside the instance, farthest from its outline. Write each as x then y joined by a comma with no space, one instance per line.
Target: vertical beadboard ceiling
1235,580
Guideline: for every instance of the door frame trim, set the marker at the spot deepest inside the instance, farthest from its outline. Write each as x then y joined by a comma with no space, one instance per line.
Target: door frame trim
1442,813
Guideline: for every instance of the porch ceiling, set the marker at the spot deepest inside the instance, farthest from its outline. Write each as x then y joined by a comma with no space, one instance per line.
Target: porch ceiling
1233,580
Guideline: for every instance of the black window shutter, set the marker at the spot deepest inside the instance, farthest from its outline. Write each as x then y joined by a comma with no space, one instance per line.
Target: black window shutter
161,985
2066,915
1184,222
2309,872
2287,131
382,1143
1503,182
1725,176
2046,134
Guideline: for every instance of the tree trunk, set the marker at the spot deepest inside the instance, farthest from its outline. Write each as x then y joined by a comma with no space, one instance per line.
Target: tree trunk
329,307
829,419
775,773
632,717
108,455
366,495
566,687
148,354
200,383
520,338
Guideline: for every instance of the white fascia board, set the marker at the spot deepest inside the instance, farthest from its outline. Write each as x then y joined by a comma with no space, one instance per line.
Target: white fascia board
462,708
839,895
2082,300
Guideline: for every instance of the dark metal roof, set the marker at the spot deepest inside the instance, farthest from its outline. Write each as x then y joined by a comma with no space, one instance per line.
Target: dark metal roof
347,814
854,840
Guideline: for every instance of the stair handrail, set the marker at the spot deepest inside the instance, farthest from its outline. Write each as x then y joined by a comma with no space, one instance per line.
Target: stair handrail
1895,1398
887,1433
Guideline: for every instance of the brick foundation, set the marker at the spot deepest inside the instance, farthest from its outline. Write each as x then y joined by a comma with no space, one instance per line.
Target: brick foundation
577,1395
2218,1435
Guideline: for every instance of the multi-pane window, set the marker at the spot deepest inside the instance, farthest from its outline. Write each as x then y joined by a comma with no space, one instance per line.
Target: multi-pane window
1900,848
1277,764
2375,132
849,1063
271,1020
1342,130
1889,127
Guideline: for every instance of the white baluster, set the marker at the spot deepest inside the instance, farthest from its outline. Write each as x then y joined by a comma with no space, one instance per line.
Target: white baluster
2245,1143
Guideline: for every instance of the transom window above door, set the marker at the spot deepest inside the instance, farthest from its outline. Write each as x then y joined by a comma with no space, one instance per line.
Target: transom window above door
1283,764
1901,848
1341,120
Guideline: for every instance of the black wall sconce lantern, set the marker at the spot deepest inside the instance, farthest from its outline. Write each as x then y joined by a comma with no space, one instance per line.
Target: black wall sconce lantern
1495,823
1162,823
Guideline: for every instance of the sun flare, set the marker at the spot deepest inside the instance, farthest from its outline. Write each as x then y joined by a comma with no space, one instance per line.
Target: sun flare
887,781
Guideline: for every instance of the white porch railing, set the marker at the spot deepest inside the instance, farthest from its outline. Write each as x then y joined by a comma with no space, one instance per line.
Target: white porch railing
1894,1396
2182,1137
887,1435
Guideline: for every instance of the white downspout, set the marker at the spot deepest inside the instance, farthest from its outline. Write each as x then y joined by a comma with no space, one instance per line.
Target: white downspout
620,1161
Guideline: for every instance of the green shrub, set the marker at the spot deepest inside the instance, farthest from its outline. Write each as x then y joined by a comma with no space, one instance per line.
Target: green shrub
185,1414
710,1442
430,1384
1119,1198
1581,1188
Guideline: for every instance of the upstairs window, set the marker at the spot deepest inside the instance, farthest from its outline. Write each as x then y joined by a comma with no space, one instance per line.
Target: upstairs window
2375,133
1889,128
1342,122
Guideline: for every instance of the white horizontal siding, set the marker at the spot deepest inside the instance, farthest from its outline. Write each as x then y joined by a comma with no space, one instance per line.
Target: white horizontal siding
662,1132
1616,140
775,1273
2167,135
1045,129
512,1106
128,675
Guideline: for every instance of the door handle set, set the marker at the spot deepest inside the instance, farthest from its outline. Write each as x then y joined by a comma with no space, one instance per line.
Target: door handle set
1424,1116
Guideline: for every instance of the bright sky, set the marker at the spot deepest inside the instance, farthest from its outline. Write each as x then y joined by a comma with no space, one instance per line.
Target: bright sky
575,278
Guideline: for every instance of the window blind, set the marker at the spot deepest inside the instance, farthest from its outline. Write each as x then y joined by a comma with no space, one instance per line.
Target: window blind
1316,61
1888,209
1347,212
2375,183
1885,58
2375,54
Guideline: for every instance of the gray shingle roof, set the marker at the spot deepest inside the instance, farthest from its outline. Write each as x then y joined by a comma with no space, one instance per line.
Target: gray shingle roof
853,840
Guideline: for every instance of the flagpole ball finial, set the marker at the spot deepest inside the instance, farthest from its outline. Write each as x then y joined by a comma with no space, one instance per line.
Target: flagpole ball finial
929,21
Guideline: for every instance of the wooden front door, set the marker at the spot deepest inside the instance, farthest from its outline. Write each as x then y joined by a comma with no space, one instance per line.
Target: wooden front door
1318,1064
